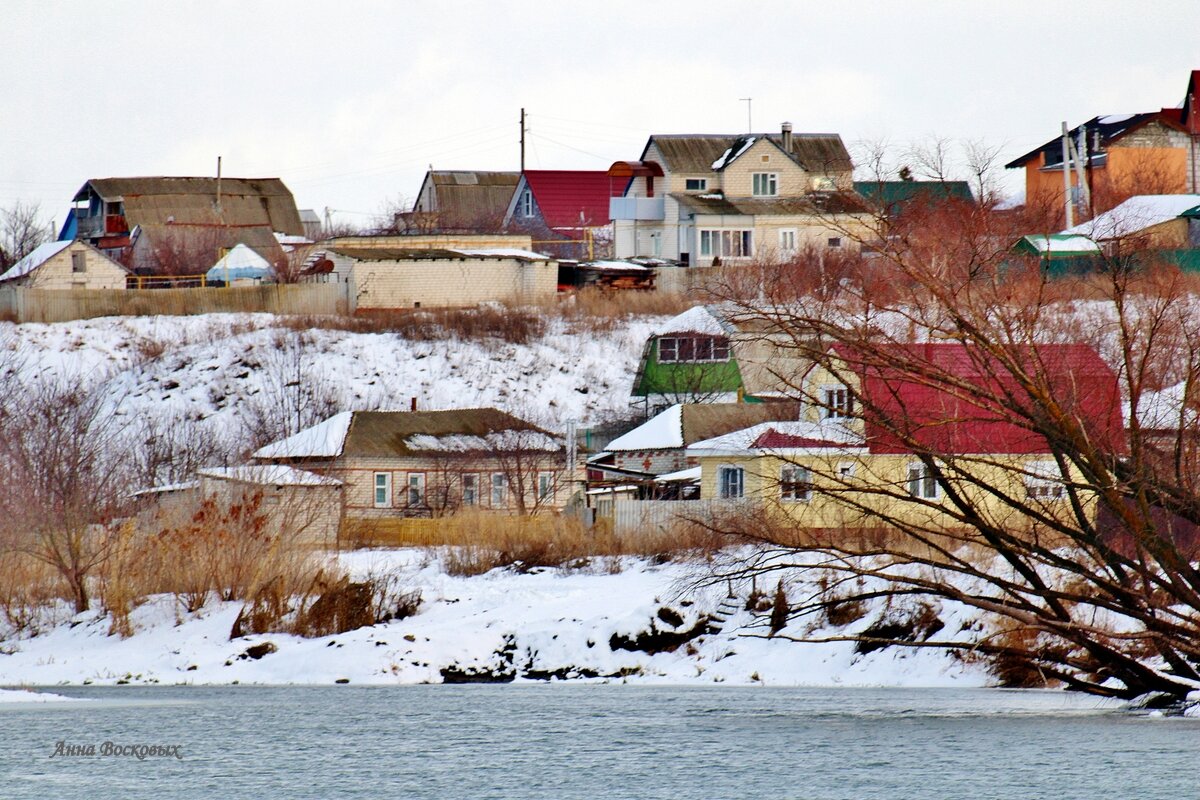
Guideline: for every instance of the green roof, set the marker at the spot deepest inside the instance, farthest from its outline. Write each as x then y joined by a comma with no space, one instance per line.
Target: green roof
892,193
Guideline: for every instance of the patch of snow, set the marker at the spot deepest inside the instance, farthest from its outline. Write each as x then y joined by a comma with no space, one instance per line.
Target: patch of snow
720,162
503,252
324,440
268,475
697,319
615,265
38,256
1113,119
683,475
1060,243
833,434
23,696
664,431
492,442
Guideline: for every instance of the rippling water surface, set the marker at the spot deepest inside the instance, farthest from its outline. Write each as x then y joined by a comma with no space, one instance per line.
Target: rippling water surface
590,741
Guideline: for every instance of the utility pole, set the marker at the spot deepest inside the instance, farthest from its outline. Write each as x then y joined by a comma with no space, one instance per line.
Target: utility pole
522,141
218,185
749,119
1066,170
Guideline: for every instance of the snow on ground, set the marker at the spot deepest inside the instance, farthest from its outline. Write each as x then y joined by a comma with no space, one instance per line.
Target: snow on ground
548,623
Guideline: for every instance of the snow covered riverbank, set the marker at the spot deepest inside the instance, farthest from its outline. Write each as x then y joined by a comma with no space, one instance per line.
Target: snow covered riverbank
647,623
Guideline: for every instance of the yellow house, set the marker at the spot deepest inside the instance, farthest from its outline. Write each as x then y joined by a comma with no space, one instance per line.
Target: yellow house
877,446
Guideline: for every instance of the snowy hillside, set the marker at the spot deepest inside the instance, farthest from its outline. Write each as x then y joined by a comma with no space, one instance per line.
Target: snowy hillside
221,372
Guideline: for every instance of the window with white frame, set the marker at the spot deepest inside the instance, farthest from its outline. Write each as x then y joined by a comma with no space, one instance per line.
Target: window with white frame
1043,481
692,349
526,203
836,402
470,489
727,244
695,184
795,484
765,184
383,490
921,481
499,490
416,488
731,482
787,240
545,486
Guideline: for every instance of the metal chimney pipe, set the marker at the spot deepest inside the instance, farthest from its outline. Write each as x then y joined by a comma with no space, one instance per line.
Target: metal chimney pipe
787,137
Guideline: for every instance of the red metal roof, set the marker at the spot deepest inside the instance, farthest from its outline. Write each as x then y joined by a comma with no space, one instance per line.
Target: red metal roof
573,199
991,413
774,440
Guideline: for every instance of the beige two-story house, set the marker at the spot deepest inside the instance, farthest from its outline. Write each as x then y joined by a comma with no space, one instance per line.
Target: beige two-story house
718,199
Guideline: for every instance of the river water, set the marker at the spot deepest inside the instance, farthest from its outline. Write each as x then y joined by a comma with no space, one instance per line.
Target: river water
593,741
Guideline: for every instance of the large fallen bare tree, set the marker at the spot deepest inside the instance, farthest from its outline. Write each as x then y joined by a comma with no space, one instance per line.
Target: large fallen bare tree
1080,555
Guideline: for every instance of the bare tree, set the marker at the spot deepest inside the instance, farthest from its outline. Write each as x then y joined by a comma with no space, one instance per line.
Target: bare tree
22,229
63,484
295,394
1083,556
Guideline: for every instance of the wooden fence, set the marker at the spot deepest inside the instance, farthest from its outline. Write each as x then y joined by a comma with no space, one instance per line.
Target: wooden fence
47,305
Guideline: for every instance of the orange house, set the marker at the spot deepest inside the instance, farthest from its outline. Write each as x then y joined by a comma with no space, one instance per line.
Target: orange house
1123,155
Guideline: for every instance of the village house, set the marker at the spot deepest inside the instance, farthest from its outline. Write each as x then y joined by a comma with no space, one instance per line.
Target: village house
460,201
1145,222
65,265
397,464
565,211
718,199
181,225
1119,156
717,354
832,468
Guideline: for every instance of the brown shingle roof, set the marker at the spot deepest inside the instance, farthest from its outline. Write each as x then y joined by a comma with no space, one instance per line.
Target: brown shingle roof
468,198
707,420
386,433
816,152
811,203
263,202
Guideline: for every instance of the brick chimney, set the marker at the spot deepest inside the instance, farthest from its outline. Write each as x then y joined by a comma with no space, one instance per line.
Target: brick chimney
786,135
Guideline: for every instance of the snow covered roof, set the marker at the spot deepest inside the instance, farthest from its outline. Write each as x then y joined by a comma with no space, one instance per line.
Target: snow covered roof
685,423
40,255
239,262
1136,214
504,252
1058,243
268,475
698,319
614,265
323,440
661,432
815,434
1167,410
682,476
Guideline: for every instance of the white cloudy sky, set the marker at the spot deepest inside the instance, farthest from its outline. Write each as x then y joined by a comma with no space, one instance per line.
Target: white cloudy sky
349,102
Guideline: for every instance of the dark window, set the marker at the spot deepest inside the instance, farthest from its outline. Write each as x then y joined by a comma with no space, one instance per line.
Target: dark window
691,349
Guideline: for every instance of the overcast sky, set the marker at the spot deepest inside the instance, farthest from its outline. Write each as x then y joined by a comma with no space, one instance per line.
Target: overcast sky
350,102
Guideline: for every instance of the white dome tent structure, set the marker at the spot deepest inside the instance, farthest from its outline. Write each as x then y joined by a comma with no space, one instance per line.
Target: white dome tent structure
240,264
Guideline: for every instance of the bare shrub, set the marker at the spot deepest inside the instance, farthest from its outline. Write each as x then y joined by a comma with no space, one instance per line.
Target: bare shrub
473,543
296,393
